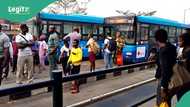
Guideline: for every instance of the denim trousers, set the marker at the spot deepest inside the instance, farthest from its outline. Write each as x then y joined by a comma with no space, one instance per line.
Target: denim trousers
108,59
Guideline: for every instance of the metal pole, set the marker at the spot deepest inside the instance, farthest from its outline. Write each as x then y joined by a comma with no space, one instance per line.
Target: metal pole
184,15
57,88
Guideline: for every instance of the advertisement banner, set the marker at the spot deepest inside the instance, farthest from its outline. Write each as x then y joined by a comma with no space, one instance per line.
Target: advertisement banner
141,52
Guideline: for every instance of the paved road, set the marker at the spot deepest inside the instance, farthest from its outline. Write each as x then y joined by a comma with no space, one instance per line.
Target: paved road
125,99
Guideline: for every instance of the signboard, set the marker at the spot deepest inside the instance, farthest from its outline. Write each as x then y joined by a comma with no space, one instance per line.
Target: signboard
15,27
141,52
118,20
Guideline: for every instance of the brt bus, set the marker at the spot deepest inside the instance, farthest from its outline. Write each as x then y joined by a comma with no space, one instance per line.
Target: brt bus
138,32
66,23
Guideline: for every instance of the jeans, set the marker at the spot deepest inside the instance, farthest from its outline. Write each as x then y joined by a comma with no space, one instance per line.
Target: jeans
108,59
52,64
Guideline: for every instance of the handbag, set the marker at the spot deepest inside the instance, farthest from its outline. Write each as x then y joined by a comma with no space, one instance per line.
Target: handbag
164,104
180,76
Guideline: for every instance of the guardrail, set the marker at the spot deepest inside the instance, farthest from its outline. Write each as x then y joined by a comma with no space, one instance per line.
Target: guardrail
56,82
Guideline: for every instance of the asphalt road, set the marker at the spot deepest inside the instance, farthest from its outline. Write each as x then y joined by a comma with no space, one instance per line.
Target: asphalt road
127,98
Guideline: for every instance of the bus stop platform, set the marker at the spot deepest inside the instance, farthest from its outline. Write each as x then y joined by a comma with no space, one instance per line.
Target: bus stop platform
92,90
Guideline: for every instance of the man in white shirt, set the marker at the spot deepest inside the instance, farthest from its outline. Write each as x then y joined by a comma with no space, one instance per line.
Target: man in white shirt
24,42
107,53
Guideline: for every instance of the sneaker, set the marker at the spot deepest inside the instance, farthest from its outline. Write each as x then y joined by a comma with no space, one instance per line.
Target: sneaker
74,91
19,83
3,76
30,81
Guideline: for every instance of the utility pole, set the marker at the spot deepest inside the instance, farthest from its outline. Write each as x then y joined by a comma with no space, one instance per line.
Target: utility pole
184,16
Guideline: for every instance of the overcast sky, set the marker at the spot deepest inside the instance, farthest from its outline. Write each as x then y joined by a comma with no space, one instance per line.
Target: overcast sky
171,9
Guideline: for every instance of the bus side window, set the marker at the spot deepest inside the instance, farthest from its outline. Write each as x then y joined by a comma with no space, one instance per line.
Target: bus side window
144,29
129,37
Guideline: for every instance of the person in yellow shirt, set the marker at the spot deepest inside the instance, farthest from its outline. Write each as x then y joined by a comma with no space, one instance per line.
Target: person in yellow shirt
75,60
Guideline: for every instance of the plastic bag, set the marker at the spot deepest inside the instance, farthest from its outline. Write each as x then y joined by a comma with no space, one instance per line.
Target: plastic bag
164,104
119,60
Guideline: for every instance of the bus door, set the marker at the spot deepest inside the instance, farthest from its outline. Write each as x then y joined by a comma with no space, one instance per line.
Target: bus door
142,42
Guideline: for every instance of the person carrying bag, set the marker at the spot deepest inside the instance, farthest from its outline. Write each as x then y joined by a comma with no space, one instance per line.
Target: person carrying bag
180,80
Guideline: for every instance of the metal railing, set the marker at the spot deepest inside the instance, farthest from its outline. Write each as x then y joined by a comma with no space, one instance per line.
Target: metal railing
57,80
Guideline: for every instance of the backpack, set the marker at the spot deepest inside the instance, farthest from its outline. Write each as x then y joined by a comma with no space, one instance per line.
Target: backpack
112,45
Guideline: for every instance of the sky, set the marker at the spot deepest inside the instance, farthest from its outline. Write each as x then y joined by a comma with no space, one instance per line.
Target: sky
170,9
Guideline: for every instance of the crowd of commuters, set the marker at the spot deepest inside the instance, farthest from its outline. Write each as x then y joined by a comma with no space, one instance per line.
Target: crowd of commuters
28,54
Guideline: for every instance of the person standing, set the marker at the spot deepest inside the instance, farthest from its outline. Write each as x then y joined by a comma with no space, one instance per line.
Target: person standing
42,52
24,42
9,61
72,36
64,56
184,43
109,48
120,44
93,49
52,50
167,59
4,50
180,46
35,51
15,54
75,60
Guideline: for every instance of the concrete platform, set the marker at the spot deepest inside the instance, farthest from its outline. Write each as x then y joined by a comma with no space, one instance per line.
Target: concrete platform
91,89
11,80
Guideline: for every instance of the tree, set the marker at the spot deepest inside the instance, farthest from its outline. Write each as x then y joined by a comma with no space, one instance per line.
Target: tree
139,13
68,7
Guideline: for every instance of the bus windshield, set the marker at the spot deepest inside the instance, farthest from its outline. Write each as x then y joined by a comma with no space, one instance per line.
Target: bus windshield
126,32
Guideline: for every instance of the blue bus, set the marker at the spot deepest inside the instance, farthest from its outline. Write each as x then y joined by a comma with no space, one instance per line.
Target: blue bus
66,23
138,32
